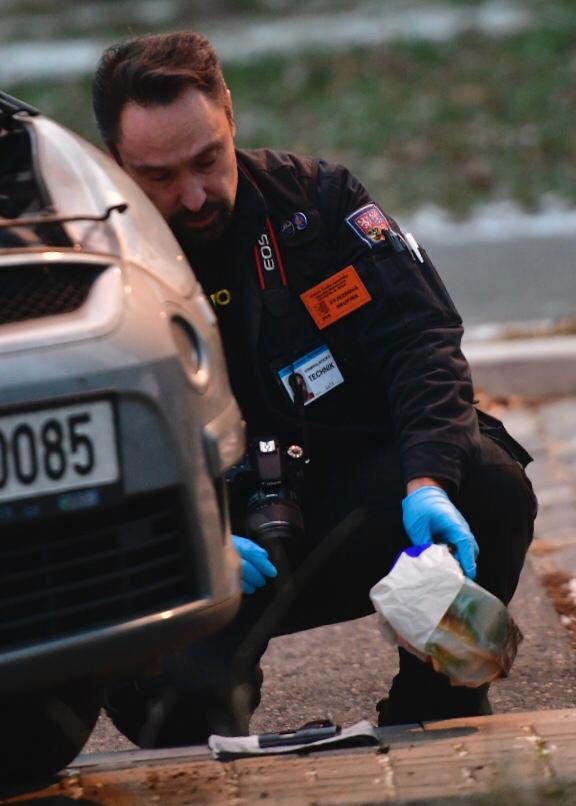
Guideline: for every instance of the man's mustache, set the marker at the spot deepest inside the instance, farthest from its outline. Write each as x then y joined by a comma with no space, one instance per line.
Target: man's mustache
183,217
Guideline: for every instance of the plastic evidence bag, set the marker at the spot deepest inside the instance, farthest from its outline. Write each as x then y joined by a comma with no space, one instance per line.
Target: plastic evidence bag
429,607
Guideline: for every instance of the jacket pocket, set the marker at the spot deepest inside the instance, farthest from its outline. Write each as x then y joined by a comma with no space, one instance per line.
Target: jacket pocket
495,429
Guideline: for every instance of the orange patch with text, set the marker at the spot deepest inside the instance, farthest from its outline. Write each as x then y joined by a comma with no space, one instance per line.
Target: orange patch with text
335,297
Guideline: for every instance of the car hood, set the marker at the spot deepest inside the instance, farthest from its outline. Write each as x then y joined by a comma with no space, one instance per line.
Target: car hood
78,181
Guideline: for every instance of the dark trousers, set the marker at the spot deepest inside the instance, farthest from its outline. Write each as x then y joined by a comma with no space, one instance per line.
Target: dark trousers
352,512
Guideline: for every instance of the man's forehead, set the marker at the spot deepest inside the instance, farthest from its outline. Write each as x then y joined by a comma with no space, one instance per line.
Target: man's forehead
192,109
182,128
144,161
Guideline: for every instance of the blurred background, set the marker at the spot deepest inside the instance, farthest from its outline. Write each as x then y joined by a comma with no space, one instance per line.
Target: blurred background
458,115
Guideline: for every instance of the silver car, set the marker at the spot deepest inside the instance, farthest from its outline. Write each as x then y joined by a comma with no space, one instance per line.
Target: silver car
117,423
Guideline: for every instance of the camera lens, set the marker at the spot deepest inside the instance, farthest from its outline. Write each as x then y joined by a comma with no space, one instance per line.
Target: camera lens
274,516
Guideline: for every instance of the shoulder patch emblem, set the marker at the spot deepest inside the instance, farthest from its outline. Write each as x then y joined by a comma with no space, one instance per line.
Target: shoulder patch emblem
370,224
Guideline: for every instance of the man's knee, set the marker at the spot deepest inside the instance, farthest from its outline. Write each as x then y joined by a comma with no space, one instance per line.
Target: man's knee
169,711
498,502
499,496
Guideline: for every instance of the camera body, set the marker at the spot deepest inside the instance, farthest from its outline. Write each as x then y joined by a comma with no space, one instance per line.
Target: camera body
269,480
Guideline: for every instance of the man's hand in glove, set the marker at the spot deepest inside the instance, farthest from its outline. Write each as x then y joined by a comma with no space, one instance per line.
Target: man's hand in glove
255,564
429,516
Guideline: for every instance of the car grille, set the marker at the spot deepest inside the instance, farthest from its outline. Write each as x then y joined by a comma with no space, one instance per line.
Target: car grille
66,575
37,290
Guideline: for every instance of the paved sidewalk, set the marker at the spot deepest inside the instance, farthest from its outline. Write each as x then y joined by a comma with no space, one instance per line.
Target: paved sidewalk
548,431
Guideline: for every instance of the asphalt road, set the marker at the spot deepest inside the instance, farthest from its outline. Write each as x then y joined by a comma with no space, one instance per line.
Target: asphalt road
518,280
339,672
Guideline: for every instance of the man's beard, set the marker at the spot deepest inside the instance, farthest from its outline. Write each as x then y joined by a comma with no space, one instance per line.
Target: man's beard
190,237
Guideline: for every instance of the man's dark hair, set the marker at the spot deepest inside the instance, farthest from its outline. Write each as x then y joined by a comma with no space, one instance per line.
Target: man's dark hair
153,70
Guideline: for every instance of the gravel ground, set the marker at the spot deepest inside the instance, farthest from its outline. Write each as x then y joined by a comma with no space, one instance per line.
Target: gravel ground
339,672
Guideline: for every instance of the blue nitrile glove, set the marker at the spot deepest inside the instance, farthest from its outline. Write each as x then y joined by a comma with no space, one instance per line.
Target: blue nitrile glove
429,514
255,564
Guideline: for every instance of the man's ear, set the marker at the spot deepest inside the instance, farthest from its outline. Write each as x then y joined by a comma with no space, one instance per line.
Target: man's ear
230,111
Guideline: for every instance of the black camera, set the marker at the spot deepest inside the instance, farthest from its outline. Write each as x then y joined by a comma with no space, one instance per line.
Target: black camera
269,481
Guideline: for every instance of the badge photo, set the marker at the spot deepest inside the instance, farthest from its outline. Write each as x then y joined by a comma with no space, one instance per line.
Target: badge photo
310,376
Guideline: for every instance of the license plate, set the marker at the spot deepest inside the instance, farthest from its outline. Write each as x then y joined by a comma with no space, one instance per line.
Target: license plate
56,449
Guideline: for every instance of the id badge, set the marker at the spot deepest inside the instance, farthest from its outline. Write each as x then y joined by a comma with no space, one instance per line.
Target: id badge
313,374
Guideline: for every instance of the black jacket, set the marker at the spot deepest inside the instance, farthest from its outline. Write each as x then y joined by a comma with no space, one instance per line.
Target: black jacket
405,377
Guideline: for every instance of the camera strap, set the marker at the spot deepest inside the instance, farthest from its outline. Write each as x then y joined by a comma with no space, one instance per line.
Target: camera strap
272,281
269,263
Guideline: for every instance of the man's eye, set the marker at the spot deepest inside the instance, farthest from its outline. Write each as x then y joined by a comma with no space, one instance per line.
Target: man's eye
205,164
162,176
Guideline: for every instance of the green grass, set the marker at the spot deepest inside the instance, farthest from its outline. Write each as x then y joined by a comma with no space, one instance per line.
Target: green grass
473,120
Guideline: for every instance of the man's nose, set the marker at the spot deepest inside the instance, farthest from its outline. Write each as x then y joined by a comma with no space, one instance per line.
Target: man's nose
192,194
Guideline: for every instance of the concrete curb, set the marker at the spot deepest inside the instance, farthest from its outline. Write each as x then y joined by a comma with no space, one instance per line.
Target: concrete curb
517,758
537,367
